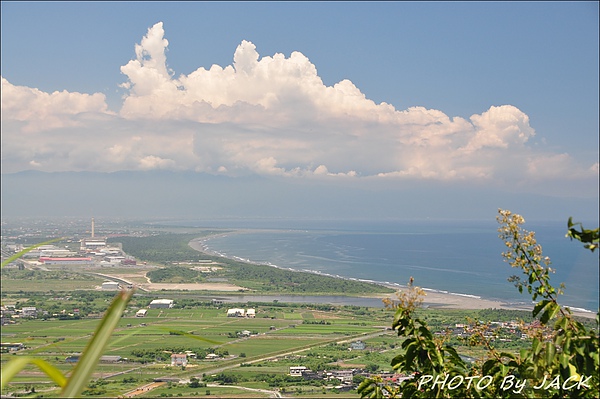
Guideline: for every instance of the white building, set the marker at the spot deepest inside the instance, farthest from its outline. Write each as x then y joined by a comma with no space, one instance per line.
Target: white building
29,311
179,359
343,375
92,244
114,259
56,252
236,313
161,304
141,313
110,285
297,371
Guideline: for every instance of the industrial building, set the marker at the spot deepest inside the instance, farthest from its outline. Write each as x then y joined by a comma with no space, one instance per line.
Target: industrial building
65,261
110,285
161,304
93,243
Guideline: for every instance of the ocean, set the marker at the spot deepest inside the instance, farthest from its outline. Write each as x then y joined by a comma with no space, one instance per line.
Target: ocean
455,257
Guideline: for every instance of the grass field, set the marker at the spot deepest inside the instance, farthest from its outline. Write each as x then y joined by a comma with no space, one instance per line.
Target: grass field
275,332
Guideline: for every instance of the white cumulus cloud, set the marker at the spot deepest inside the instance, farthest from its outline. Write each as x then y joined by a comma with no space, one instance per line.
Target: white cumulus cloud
268,115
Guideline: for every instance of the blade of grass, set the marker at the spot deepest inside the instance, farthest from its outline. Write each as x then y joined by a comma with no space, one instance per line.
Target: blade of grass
15,365
23,252
96,346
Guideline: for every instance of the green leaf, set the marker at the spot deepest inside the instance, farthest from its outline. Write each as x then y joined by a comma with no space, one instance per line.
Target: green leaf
523,353
96,346
536,346
550,352
489,365
551,310
539,306
16,364
564,360
572,370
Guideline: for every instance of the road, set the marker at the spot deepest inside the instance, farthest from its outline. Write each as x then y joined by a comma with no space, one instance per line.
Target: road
118,280
272,394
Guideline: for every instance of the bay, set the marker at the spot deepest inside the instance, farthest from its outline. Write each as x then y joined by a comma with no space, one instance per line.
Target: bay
461,257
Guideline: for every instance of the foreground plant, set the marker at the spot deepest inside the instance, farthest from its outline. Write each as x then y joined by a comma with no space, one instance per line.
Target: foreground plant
81,374
79,378
564,363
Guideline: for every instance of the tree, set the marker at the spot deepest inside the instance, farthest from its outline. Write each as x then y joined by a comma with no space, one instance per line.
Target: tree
563,363
194,383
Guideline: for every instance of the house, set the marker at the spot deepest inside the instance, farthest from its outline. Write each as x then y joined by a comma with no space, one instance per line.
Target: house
141,313
29,311
179,359
236,312
297,371
343,375
161,304
11,347
251,313
358,346
212,356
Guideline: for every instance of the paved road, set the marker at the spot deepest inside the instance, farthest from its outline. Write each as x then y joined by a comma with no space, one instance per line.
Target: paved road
272,394
220,369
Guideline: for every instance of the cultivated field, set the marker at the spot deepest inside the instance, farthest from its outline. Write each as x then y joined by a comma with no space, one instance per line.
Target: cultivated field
279,339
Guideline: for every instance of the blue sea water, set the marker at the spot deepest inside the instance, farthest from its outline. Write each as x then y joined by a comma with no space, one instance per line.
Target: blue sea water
455,257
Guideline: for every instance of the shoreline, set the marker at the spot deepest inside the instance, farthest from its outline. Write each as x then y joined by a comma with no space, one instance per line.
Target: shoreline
433,298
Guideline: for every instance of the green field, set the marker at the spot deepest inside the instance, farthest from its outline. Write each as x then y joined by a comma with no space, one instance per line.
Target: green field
275,335
282,336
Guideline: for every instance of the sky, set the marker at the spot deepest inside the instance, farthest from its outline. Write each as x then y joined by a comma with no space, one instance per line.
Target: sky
470,105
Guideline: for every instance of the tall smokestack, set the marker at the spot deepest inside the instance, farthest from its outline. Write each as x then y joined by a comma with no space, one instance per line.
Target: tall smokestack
92,227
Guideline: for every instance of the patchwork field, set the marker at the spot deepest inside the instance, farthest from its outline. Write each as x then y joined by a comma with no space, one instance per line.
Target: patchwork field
278,339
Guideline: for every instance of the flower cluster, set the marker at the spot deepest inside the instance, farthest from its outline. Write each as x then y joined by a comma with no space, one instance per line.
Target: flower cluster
526,254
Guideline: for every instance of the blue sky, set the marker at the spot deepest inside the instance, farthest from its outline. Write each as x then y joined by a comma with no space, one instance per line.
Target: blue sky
501,95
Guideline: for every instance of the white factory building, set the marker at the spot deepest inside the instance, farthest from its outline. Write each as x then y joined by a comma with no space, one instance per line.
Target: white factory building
161,304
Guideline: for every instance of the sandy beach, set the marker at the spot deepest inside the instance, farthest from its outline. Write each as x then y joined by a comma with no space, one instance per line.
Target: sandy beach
433,298
192,287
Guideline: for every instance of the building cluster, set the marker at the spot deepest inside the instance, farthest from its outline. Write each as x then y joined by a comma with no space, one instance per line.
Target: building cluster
251,313
7,347
345,376
10,315
92,251
501,331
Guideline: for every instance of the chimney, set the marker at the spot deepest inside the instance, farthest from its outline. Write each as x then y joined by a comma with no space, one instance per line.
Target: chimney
92,227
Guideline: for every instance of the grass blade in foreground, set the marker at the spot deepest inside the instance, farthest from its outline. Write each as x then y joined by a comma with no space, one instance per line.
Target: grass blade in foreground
15,365
23,252
96,346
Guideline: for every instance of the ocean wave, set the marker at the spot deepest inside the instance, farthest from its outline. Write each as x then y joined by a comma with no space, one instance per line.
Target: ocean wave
580,309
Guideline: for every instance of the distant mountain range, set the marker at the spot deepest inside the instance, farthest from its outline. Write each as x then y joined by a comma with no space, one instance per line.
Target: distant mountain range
166,194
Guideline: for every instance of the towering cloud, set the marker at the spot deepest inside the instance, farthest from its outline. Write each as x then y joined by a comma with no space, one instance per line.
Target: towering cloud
266,115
